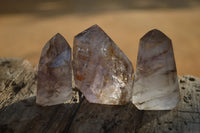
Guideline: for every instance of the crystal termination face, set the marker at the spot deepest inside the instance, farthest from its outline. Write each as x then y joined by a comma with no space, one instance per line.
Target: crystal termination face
102,71
155,84
54,72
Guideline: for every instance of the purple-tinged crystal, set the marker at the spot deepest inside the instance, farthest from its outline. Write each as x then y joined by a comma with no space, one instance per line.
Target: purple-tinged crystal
102,71
155,84
54,72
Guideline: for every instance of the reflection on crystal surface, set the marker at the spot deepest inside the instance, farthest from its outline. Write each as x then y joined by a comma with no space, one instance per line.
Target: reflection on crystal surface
62,59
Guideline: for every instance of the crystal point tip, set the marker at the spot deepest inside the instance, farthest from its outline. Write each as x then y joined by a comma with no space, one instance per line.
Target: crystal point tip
154,35
90,29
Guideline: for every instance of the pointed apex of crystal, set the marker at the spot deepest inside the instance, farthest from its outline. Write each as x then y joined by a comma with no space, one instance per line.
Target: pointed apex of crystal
102,72
93,29
59,35
57,42
54,72
95,26
154,36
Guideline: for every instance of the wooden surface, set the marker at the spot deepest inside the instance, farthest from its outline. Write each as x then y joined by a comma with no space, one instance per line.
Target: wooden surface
20,114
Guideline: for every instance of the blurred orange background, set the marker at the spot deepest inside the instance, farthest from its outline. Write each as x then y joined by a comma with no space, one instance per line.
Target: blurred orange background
26,25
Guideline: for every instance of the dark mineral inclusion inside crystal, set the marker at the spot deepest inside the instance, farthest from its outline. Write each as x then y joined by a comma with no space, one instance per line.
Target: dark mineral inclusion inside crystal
102,72
54,72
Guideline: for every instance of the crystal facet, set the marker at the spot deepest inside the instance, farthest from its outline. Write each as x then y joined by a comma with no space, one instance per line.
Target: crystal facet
155,84
54,72
102,71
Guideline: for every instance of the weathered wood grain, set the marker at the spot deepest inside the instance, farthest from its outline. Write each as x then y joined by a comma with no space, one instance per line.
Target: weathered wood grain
20,114
18,110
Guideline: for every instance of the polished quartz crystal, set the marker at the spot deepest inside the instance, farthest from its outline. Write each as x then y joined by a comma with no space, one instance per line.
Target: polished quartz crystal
155,84
54,73
102,71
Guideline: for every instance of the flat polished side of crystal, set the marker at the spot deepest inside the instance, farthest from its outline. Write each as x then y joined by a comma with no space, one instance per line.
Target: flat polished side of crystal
155,84
102,71
54,72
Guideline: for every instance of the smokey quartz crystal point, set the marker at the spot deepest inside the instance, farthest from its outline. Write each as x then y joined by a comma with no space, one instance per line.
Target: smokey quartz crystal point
54,72
102,71
155,84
